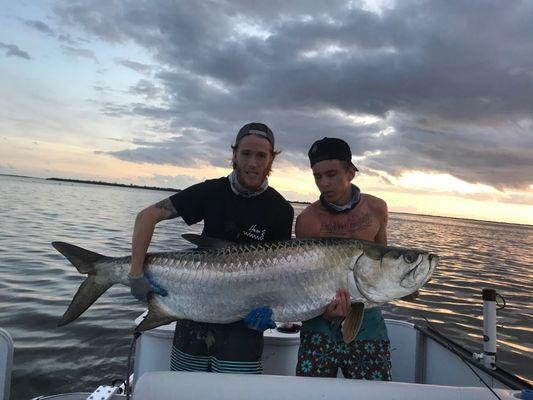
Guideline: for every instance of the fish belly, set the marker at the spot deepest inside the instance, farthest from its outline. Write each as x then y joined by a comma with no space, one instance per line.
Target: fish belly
296,288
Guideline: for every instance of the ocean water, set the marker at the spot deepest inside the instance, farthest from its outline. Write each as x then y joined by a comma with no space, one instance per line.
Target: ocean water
37,283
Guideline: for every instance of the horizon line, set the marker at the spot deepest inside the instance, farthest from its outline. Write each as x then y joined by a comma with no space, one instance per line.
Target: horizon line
134,186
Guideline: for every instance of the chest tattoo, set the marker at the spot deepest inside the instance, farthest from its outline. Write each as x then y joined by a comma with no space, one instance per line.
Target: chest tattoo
350,224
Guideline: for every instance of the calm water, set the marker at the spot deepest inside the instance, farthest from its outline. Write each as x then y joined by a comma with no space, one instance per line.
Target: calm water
37,283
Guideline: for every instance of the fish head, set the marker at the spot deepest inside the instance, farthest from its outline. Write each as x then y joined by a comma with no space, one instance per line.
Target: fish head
384,273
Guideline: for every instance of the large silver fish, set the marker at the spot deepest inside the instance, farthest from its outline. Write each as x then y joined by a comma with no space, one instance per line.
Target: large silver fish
221,283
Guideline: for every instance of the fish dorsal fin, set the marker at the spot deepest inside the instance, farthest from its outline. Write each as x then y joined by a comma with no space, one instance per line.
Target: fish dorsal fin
206,242
353,321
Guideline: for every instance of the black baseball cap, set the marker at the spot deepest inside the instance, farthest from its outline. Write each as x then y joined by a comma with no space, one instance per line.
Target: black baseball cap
255,128
330,149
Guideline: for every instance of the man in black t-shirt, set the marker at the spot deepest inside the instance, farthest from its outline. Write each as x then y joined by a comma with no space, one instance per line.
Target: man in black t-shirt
241,208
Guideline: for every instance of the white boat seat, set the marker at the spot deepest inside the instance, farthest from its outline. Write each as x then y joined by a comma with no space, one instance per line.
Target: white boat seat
200,385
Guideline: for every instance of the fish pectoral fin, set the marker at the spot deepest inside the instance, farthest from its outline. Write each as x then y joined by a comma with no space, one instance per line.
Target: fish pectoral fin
153,319
353,321
206,242
336,325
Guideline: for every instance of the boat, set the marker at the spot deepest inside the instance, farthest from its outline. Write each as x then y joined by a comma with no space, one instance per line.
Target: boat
425,365
6,363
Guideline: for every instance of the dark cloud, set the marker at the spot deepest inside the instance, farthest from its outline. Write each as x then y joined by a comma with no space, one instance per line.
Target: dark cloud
145,88
14,51
102,87
136,66
47,30
78,52
193,147
117,139
68,39
449,84
501,155
40,26
115,110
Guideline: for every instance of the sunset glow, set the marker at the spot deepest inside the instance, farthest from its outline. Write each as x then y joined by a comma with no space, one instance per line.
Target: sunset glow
104,99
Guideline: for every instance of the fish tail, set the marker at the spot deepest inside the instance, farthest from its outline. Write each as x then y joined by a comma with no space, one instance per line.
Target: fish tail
92,288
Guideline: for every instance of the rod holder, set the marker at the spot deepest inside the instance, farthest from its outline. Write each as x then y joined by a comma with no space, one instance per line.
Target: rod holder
489,328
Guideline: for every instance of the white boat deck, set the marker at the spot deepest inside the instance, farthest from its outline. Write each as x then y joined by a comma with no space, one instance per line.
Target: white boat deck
424,366
415,357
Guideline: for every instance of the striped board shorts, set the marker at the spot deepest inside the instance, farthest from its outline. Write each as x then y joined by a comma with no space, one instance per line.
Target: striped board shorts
206,347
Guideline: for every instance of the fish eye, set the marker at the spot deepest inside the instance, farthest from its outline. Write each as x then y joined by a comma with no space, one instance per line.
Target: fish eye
409,257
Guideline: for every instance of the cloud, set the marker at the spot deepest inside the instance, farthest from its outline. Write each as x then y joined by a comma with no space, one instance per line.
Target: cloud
40,26
78,52
102,87
47,30
145,88
193,147
67,38
501,155
14,51
135,66
447,86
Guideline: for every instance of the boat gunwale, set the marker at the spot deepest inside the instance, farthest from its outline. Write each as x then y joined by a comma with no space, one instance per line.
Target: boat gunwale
512,381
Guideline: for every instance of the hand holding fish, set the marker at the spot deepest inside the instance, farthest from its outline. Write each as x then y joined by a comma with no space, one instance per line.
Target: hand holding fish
142,288
339,306
260,319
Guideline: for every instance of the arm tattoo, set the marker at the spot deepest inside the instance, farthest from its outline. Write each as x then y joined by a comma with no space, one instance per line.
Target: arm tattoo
166,205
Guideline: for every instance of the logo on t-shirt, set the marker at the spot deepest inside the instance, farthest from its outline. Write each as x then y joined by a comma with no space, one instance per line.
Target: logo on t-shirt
255,233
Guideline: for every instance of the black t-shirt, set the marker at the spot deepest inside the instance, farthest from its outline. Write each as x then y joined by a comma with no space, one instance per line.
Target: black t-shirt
265,217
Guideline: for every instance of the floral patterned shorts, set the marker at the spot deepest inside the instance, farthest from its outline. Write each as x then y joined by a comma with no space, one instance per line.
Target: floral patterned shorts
319,355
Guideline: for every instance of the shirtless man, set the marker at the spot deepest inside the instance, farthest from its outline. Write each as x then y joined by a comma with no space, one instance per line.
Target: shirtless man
342,211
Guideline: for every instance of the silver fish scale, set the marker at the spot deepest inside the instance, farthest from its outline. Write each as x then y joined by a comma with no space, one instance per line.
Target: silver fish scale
297,278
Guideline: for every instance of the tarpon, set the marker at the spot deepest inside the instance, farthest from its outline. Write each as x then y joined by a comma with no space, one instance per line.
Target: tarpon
220,282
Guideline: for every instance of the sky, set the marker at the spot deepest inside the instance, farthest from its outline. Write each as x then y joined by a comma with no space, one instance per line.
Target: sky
435,98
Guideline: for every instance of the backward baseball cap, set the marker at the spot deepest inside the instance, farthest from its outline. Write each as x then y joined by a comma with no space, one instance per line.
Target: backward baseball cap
330,149
255,128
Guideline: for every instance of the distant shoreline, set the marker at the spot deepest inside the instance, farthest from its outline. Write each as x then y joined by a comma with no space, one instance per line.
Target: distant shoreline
166,189
131,186
103,183
127,186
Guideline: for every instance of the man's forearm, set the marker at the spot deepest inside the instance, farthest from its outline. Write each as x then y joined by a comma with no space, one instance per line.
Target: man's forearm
144,229
142,236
